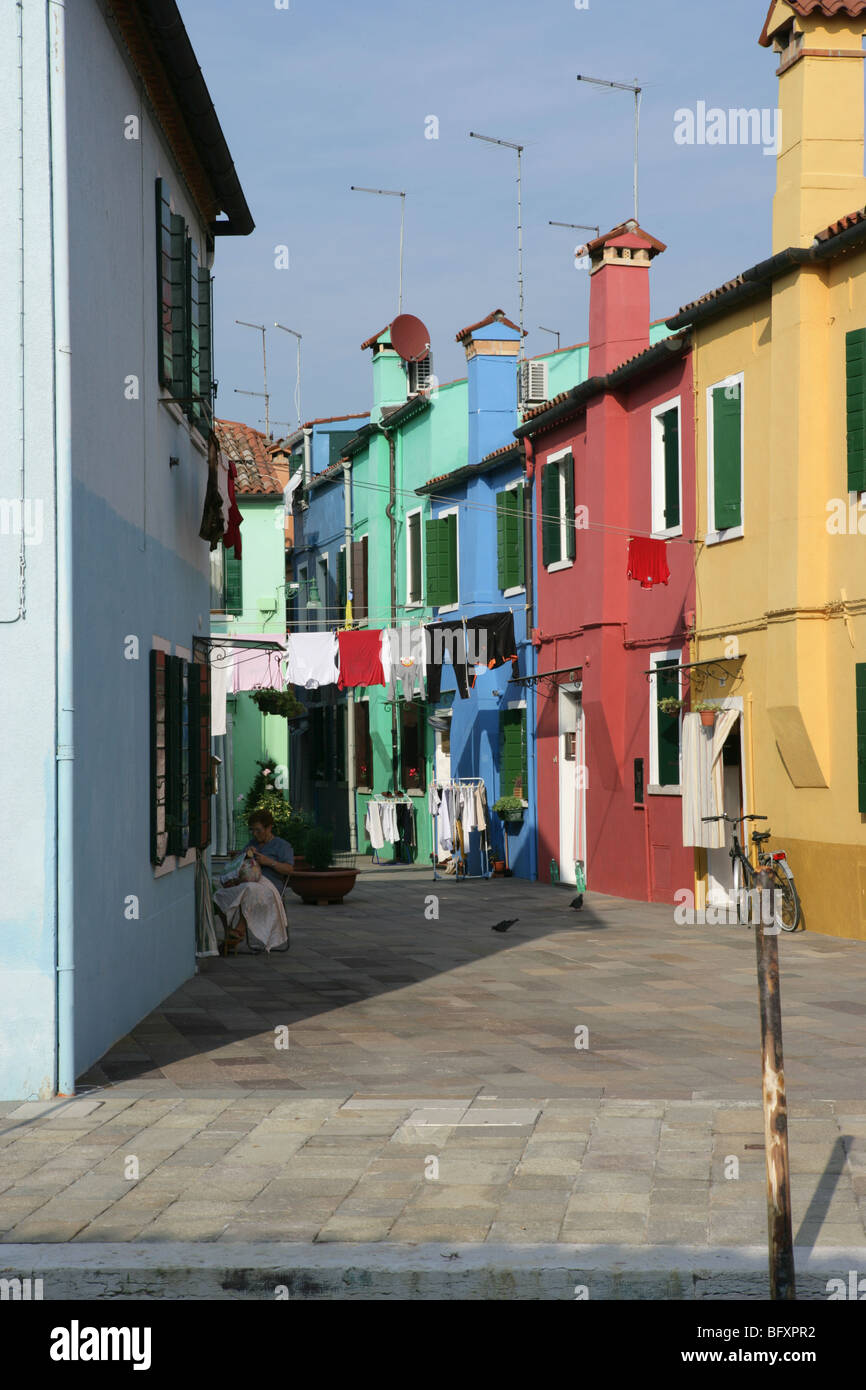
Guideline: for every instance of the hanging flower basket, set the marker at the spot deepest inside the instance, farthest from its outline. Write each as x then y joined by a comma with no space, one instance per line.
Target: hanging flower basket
280,702
509,808
708,714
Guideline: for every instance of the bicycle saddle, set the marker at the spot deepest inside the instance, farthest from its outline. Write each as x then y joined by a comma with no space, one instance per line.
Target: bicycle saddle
759,836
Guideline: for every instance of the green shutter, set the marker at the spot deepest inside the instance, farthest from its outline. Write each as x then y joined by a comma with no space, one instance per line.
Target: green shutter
205,347
176,755
200,786
192,339
568,468
341,583
860,675
551,550
727,436
855,382
520,568
163,281
158,838
668,725
233,599
671,431
512,751
179,317
441,539
413,584
509,537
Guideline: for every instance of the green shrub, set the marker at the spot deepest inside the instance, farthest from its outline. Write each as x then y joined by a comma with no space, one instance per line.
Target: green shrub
264,796
319,849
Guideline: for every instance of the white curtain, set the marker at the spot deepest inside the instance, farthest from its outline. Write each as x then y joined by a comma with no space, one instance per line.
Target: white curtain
703,793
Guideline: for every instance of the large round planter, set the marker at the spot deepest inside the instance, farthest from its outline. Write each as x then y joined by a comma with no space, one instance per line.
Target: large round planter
322,886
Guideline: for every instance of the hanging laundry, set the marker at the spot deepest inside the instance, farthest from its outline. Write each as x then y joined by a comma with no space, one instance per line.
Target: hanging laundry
373,824
312,659
446,639
258,668
360,658
490,637
406,825
404,660
647,561
481,806
213,521
232,537
221,675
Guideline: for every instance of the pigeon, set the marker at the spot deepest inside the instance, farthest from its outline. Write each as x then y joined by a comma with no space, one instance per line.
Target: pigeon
578,901
503,926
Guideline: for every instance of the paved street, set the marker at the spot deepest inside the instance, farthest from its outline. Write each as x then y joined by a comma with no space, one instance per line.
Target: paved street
432,1091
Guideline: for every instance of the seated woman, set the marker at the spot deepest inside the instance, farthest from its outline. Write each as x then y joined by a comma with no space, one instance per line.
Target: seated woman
256,904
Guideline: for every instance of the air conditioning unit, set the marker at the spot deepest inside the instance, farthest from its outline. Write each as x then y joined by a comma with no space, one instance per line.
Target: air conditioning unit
533,383
419,375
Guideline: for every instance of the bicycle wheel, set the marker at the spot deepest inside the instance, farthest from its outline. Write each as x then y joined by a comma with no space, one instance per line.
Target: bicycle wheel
787,903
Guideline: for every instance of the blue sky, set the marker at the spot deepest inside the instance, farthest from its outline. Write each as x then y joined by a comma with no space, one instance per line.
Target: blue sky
328,93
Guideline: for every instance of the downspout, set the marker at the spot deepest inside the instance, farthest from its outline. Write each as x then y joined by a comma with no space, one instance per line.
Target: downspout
532,693
350,732
22,553
389,512
56,16
308,461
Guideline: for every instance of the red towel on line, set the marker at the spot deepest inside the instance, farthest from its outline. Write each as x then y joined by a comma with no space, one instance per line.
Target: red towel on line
648,561
360,658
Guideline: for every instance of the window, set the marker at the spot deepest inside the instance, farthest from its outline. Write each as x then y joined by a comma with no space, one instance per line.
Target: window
665,725
666,470
342,586
412,769
180,768
725,460
855,383
557,511
860,675
301,599
512,746
233,588
413,557
442,577
509,538
183,314
360,598
363,746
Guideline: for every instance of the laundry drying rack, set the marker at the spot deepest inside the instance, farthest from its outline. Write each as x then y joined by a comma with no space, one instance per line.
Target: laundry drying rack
405,850
459,853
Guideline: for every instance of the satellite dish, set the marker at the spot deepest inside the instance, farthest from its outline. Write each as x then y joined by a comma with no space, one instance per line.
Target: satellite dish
410,338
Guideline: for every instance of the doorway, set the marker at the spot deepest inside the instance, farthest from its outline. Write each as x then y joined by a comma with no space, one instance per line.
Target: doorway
572,782
720,873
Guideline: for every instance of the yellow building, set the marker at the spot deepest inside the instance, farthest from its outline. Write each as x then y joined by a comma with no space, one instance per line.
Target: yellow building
780,419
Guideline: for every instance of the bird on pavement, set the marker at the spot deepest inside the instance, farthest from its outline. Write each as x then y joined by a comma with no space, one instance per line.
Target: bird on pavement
578,901
503,926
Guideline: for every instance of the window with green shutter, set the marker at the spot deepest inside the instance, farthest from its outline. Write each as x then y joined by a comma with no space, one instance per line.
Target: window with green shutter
200,782
671,445
164,281
667,725
855,385
185,348
441,569
205,348
158,770
551,519
860,674
413,558
512,753
341,582
509,537
567,470
233,589
727,457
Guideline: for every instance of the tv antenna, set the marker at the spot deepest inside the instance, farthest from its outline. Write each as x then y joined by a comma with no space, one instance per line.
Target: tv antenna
297,335
512,145
260,328
554,331
624,87
390,193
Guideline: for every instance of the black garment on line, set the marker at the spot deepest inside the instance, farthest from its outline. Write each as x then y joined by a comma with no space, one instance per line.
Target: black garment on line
449,635
406,825
501,646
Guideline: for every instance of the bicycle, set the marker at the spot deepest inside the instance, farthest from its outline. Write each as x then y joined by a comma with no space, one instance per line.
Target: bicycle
787,912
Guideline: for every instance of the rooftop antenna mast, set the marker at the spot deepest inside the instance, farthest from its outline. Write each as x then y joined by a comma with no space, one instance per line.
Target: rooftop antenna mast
624,87
260,328
512,145
554,331
390,193
297,335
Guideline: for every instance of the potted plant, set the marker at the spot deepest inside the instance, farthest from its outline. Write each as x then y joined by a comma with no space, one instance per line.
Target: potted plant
670,705
707,712
280,702
509,808
296,831
318,882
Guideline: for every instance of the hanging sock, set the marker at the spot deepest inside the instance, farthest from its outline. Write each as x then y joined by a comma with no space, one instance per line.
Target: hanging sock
360,658
648,561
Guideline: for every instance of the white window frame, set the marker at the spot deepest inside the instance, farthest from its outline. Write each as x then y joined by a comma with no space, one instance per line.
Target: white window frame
519,588
558,458
731,533
654,789
452,511
415,602
657,468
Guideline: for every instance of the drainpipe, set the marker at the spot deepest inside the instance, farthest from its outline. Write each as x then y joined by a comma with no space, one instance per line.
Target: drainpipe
532,693
350,732
56,15
308,458
389,512
22,552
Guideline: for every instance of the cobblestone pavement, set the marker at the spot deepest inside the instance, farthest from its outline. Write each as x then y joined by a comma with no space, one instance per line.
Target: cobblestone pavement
432,1088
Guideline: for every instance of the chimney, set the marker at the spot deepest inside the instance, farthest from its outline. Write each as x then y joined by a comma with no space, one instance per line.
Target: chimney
389,373
819,169
619,297
492,347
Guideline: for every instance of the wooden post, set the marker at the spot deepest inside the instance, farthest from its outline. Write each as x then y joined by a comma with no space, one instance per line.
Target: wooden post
779,1227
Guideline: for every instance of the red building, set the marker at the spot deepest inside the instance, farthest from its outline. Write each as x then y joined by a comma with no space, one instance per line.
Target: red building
610,460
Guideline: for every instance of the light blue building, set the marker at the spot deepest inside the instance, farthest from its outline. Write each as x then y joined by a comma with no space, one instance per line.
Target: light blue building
113,186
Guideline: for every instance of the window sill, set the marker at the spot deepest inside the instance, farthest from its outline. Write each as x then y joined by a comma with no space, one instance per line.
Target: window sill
448,608
512,593
414,603
559,565
733,533
665,791
667,533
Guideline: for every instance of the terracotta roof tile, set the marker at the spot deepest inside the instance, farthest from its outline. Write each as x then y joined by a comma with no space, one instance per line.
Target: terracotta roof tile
496,316
828,8
258,472
331,419
849,220
625,230
375,338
